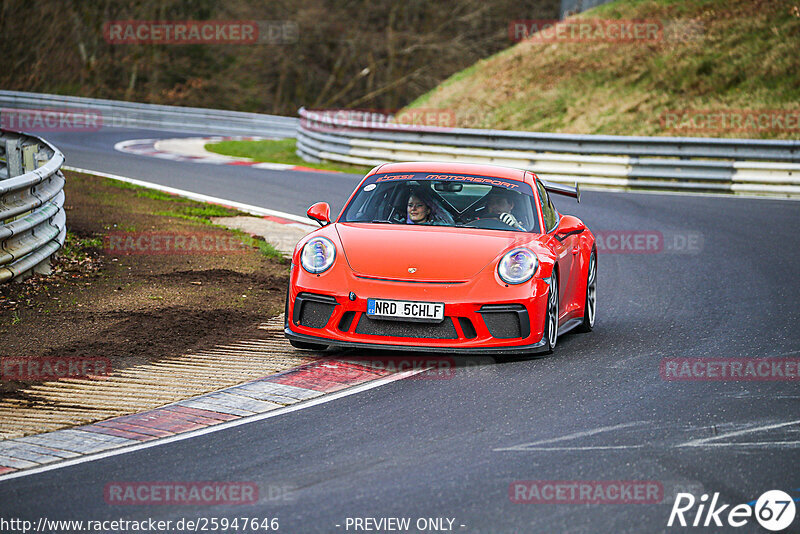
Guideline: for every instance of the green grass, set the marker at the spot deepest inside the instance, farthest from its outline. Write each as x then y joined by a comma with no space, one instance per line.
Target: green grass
75,247
178,215
265,248
188,209
191,207
202,211
716,55
277,151
196,212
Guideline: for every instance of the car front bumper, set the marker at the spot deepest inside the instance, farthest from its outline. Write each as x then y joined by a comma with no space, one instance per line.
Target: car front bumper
510,322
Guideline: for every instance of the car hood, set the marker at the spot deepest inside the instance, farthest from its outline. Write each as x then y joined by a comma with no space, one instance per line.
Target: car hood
436,253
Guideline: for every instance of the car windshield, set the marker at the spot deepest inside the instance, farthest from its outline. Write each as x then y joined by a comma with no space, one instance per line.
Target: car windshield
460,200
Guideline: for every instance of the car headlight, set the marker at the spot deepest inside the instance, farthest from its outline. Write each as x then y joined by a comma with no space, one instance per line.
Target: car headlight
317,255
517,266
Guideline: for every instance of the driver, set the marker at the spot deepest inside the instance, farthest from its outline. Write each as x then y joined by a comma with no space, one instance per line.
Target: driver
499,205
418,210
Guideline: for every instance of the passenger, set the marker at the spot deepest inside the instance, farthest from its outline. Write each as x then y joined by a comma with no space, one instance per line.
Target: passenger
499,205
418,210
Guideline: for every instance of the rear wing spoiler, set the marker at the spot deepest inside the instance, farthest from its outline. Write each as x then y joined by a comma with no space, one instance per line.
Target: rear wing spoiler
561,189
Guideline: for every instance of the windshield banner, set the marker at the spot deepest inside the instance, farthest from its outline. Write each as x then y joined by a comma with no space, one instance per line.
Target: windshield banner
512,185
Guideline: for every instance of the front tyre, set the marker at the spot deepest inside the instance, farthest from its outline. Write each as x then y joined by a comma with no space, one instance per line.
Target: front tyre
551,319
590,305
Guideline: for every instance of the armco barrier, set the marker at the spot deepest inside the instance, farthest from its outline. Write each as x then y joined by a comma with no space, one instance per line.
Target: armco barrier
119,114
751,166
32,218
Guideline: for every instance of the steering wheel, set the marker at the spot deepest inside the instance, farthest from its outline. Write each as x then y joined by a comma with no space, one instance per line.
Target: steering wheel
488,224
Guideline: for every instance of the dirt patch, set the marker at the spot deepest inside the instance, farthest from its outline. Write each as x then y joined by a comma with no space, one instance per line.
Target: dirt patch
141,308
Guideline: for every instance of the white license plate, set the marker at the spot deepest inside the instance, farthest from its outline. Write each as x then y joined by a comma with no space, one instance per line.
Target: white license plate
432,312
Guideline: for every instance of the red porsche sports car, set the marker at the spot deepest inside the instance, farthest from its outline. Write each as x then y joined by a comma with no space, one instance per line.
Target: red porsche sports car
444,257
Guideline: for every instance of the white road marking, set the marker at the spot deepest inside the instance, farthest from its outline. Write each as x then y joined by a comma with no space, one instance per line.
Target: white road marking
712,441
702,442
216,428
587,448
195,147
533,445
247,208
748,444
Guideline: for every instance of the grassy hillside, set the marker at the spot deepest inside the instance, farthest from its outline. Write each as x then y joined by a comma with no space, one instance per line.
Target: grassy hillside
716,55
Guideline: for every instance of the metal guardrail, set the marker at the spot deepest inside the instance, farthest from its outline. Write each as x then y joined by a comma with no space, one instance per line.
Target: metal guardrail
32,217
27,108
752,166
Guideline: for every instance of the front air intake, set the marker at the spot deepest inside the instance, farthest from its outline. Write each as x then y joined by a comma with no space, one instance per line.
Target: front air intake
313,311
506,321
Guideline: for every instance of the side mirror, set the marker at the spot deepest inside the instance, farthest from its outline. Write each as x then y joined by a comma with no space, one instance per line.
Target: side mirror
320,212
570,225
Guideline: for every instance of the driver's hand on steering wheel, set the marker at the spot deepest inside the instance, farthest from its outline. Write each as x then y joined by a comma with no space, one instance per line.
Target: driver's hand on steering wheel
510,220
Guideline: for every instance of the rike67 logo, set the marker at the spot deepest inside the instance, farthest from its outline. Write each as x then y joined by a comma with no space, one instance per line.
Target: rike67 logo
775,510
